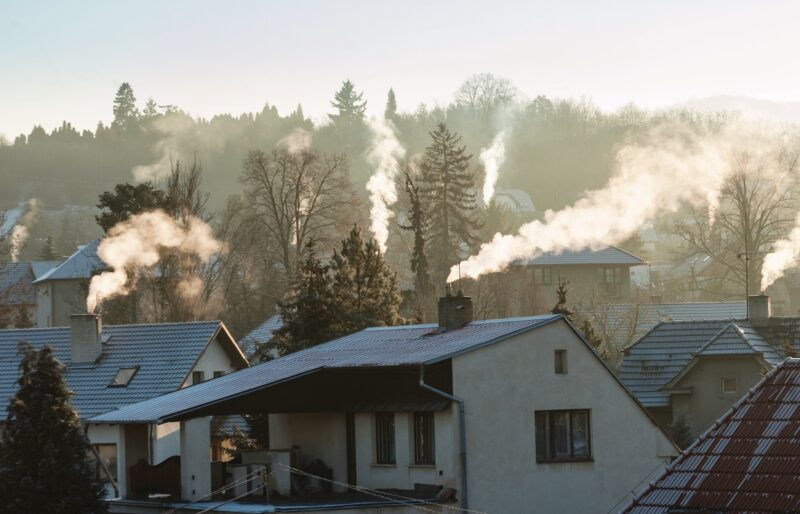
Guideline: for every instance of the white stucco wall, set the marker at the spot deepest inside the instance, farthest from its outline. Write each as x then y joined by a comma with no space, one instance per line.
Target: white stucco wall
195,458
111,434
503,384
213,359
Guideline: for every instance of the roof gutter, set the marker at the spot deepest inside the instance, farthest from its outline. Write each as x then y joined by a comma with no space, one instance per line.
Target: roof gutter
462,430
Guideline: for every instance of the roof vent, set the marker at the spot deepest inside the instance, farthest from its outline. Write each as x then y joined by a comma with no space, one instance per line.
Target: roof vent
454,311
85,338
759,307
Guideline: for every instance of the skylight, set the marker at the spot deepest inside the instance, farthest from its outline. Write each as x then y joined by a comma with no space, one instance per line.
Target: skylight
123,377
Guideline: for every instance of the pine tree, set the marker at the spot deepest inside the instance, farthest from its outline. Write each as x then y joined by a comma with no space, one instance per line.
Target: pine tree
44,464
561,306
150,108
125,112
350,105
423,288
447,191
391,106
48,252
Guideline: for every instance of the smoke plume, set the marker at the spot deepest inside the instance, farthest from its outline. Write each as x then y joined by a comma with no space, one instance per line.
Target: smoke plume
19,234
785,254
492,159
384,154
297,141
670,167
135,243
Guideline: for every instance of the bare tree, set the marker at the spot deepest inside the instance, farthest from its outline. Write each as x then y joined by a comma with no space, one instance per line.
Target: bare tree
484,93
294,196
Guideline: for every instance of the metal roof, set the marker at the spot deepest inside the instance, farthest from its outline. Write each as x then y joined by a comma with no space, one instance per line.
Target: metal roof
407,345
661,354
609,255
16,280
164,353
260,335
82,264
746,463
516,199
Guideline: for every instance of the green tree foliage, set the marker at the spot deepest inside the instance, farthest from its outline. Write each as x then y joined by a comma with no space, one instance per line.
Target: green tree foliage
390,112
447,191
356,290
562,302
127,200
150,109
126,114
44,463
423,288
349,104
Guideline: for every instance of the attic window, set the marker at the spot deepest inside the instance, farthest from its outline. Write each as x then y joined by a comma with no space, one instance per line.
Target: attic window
123,377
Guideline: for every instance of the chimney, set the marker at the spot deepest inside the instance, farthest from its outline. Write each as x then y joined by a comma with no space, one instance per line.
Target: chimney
759,307
454,311
85,344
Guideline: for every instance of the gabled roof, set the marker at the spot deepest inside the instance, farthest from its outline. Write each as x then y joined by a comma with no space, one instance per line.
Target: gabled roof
517,199
82,264
609,255
656,360
260,335
409,345
15,284
746,463
164,353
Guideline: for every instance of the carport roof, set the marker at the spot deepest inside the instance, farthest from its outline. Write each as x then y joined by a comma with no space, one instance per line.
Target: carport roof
409,345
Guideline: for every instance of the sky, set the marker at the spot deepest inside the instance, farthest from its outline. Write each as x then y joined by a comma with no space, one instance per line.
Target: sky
64,60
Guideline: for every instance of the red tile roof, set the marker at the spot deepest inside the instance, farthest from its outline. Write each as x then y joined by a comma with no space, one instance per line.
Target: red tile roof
748,462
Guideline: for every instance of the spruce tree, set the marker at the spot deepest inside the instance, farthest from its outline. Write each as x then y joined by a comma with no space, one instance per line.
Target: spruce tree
350,105
423,288
125,112
150,108
391,106
44,463
447,191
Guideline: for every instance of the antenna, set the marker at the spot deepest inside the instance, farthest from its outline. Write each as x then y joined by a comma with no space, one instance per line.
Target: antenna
460,288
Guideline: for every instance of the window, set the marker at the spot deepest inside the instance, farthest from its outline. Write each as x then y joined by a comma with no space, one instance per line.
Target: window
562,436
384,438
123,377
610,276
108,456
218,374
730,386
197,377
543,276
561,362
424,448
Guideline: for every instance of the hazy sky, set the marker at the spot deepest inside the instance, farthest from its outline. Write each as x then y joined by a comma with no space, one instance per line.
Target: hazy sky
64,60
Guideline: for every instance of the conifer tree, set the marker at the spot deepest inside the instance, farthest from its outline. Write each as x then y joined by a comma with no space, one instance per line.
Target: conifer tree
150,108
44,463
561,306
125,112
447,191
350,105
423,288
391,105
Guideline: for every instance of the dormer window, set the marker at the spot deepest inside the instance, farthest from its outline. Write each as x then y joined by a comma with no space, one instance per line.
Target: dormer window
124,377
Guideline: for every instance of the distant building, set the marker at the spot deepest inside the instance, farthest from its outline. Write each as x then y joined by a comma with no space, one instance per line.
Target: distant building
516,201
697,369
260,337
505,415
17,292
746,463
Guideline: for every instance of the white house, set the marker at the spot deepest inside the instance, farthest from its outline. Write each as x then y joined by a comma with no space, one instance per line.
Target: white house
515,415
112,366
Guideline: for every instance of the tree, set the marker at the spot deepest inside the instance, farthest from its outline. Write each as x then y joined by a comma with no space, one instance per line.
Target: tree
483,94
356,290
127,200
43,451
391,106
48,252
350,105
561,306
23,318
126,114
296,196
423,288
681,432
447,191
150,108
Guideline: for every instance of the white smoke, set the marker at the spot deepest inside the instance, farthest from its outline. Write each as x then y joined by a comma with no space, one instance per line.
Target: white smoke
672,166
19,234
297,141
384,154
785,254
492,159
135,243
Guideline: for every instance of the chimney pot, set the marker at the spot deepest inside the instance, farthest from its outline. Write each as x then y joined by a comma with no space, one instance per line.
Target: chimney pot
85,343
759,307
454,311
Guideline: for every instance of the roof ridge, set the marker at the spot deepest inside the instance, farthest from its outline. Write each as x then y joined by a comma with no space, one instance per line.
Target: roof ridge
627,252
716,337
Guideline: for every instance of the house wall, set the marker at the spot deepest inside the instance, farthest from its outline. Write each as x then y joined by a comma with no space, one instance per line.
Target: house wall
505,383
112,434
57,300
213,359
706,402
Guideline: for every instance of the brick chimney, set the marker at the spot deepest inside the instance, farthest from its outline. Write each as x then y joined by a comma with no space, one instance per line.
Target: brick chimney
455,311
759,307
85,344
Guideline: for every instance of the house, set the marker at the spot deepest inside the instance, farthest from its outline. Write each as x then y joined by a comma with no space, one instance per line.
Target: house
261,336
745,463
506,415
696,370
517,201
17,293
61,292
108,367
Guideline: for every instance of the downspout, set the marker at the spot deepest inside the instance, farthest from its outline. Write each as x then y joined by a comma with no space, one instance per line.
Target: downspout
462,422
100,461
